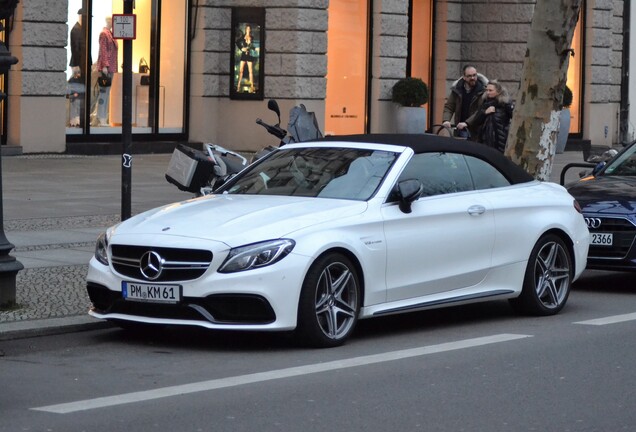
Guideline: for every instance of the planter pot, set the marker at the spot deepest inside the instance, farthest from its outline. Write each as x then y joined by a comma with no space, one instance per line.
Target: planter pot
564,130
411,120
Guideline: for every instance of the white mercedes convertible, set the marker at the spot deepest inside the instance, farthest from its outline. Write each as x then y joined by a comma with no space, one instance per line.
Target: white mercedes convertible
321,234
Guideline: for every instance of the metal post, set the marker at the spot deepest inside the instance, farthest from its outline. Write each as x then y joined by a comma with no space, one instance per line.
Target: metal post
9,266
623,124
126,124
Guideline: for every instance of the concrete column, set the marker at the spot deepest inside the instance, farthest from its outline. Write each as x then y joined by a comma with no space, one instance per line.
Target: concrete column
632,69
602,74
37,84
390,51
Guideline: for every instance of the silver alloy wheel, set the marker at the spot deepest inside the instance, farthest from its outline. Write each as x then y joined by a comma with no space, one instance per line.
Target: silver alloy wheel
552,275
336,300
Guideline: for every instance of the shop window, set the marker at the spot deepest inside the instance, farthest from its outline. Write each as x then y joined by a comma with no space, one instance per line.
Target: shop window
575,76
158,87
170,116
346,102
3,87
421,41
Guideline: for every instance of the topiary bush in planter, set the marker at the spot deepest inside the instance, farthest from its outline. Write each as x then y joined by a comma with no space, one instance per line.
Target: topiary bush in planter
410,94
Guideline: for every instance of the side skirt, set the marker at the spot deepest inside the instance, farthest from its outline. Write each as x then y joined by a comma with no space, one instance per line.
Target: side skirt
469,298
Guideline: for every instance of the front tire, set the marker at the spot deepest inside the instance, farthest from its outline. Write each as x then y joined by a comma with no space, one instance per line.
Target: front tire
548,278
329,302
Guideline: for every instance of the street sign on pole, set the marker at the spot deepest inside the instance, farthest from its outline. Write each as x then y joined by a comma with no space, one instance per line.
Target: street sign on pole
126,29
124,26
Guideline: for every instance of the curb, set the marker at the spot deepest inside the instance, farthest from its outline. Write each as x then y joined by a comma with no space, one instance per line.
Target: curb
50,326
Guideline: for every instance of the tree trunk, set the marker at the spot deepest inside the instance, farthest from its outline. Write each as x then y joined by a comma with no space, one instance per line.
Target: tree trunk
535,123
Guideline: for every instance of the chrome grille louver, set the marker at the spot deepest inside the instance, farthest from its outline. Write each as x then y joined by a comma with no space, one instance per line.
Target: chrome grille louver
177,264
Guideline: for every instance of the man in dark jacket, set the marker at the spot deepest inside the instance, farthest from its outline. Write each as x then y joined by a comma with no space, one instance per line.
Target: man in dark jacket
463,100
78,47
78,67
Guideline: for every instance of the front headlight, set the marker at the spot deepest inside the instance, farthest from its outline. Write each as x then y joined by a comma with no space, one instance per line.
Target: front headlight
256,255
101,248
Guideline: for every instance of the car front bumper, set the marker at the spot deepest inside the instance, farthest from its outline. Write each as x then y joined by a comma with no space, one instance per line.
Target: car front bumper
260,299
621,254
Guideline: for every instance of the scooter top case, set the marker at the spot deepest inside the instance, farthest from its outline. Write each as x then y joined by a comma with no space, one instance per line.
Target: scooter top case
189,169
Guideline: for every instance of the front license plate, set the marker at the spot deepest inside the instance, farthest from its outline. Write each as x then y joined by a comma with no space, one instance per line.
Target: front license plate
154,293
602,239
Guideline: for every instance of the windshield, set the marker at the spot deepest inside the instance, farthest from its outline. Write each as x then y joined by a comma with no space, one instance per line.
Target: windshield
624,164
343,173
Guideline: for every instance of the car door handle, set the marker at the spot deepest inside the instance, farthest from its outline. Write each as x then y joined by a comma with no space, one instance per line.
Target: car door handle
476,210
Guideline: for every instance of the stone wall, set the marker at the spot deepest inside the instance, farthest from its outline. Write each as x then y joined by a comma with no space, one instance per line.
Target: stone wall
604,41
488,33
38,39
295,69
388,59
492,35
604,45
37,84
390,44
296,47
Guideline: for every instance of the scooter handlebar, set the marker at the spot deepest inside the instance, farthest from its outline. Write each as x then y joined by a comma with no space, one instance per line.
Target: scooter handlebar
211,148
275,130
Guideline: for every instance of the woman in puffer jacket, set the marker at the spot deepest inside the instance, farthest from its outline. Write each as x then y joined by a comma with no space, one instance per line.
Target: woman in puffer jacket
493,116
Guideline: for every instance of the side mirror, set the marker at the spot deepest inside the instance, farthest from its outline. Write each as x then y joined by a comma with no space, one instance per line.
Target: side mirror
599,166
408,191
272,105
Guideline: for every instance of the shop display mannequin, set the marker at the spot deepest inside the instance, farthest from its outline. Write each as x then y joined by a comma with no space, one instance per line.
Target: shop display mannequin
78,68
245,44
107,65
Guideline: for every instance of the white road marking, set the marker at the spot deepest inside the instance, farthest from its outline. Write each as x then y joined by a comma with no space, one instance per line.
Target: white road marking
215,384
609,320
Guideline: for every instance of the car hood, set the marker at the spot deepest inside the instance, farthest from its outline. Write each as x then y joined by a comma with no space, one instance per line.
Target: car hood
606,195
239,219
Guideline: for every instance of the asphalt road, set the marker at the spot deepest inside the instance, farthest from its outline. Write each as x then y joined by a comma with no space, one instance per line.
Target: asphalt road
474,368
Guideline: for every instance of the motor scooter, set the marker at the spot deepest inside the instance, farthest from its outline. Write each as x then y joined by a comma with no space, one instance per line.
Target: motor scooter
302,126
201,172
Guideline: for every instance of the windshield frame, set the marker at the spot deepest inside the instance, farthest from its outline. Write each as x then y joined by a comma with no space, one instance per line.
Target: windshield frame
609,170
351,172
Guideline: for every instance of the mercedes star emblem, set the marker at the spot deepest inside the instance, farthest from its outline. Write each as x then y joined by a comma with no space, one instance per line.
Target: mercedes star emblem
151,265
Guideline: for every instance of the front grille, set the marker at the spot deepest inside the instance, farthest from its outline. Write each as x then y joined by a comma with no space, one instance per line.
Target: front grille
623,237
216,308
178,264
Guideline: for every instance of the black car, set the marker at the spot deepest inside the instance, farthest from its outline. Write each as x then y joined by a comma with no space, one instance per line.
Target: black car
608,199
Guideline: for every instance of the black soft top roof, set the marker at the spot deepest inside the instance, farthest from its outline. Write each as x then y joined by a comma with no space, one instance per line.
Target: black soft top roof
426,143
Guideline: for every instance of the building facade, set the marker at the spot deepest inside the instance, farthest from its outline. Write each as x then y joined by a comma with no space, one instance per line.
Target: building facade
199,74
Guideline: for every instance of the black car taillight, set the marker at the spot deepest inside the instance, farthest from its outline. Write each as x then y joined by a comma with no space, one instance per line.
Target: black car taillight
577,206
